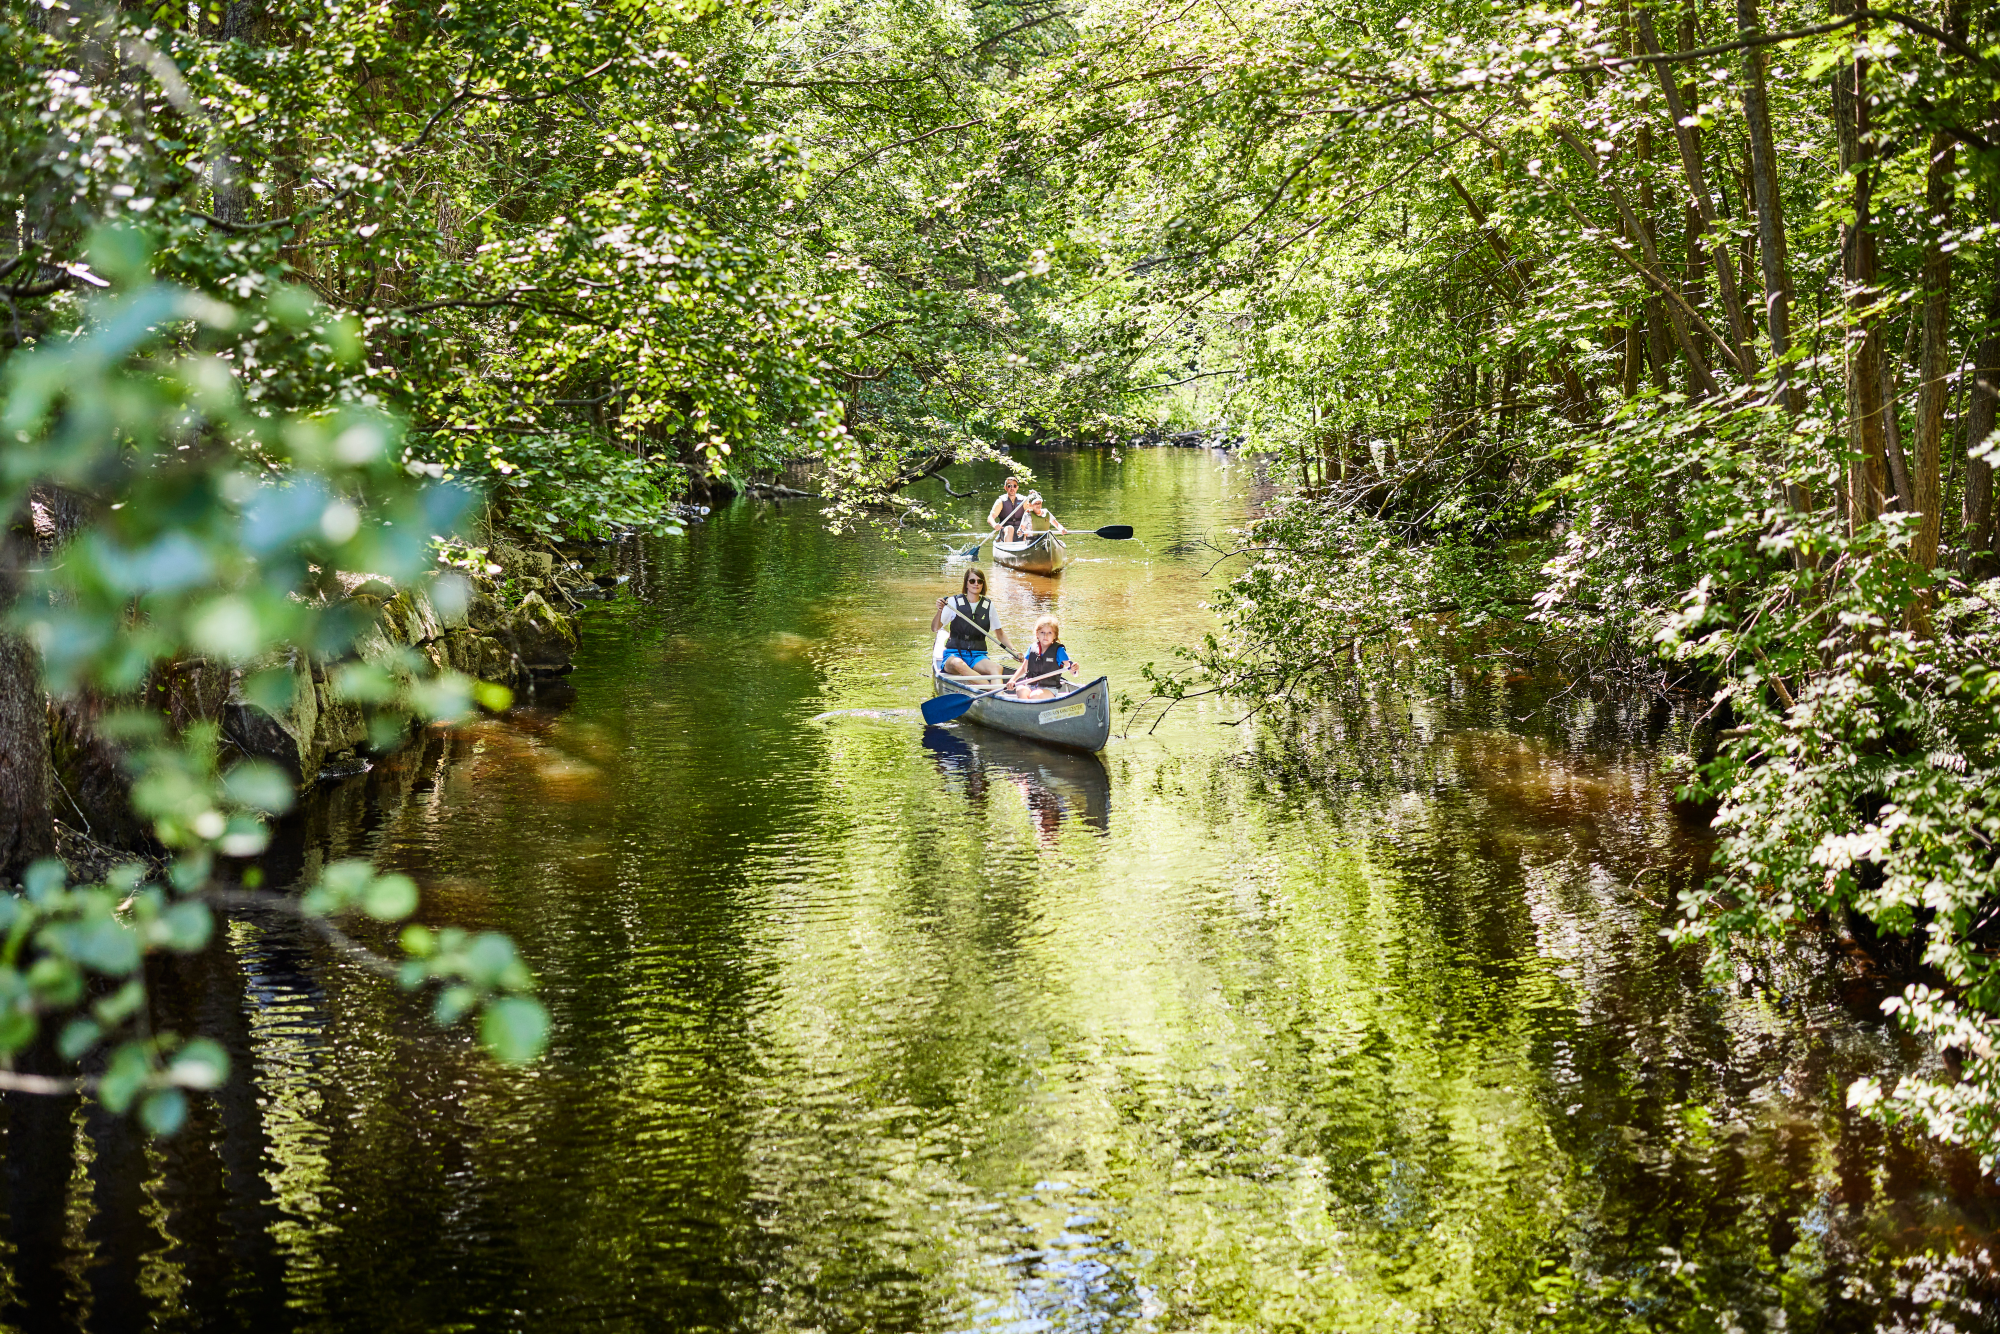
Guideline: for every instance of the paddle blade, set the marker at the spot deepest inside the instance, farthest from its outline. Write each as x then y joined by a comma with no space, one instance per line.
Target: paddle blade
943,708
1117,532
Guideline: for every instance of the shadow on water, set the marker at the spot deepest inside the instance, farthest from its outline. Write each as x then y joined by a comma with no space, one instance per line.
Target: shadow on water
1359,1022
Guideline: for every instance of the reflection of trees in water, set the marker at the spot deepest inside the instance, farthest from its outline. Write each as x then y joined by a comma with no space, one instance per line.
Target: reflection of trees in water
1533,852
1056,785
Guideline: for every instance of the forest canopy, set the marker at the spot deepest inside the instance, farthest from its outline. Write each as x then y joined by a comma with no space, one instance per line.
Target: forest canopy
1653,344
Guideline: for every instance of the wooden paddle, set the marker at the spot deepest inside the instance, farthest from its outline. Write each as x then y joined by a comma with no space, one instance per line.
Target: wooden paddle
943,708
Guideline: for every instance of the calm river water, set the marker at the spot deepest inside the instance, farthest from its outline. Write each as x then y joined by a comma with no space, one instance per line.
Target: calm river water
1366,1026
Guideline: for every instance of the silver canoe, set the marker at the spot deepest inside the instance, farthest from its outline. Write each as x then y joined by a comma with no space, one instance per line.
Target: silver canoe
1043,553
1080,720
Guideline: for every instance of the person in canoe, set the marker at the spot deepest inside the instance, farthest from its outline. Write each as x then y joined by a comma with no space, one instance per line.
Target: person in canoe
1040,674
1008,513
964,616
1048,523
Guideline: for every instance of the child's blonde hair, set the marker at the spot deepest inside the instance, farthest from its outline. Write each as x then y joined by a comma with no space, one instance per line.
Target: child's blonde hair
1053,624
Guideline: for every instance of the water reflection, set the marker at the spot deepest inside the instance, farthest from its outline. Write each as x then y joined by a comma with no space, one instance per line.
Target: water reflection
1058,786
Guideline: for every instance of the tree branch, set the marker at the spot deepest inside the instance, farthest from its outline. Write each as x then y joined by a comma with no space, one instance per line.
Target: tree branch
1169,384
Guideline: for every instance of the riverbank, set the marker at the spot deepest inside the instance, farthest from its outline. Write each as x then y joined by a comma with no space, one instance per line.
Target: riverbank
507,612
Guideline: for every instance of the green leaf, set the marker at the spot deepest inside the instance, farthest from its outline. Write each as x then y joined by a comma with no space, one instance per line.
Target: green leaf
260,785
387,730
364,683
17,1029
186,927
164,1111
492,698
127,1073
120,1004
56,981
271,690
78,1036
106,945
452,1004
201,1064
43,879
515,1029
228,628
120,252
340,884
391,898
489,958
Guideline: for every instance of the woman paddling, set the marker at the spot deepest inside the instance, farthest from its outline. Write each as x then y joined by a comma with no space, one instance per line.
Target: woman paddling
965,616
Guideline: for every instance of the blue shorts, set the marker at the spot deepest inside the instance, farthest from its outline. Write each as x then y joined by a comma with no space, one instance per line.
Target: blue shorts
971,657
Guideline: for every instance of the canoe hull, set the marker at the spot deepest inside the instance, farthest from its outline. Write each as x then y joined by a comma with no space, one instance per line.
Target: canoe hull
1044,553
1079,720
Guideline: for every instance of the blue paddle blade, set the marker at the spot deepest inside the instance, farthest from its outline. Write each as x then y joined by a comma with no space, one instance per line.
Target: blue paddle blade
943,708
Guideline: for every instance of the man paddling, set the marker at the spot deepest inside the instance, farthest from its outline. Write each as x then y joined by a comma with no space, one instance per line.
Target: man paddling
1008,512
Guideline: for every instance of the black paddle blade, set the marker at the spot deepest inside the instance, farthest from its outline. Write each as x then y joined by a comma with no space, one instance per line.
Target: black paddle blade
1117,532
943,708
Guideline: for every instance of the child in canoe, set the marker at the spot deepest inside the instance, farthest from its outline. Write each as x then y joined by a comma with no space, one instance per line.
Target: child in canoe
1049,522
1048,659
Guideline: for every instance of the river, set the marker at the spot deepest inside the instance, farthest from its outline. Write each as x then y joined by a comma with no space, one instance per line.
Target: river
1364,1024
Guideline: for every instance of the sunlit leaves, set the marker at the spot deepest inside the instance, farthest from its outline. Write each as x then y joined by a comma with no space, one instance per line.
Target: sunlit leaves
478,972
83,935
217,532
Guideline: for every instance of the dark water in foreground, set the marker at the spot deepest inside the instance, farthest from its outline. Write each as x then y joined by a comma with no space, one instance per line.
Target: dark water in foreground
861,1029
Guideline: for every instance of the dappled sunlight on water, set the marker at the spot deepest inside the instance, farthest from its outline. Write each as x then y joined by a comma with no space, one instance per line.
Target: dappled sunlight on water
1359,1022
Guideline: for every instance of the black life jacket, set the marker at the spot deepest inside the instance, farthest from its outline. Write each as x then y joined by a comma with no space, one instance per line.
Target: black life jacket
1042,666
1011,511
963,636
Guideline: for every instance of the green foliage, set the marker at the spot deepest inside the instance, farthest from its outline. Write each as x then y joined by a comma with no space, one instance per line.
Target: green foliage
72,961
1401,251
225,518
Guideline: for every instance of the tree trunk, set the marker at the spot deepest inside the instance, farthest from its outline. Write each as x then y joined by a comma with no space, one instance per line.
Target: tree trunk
1770,215
1976,516
1892,435
1867,474
27,826
1702,222
1928,482
1661,313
